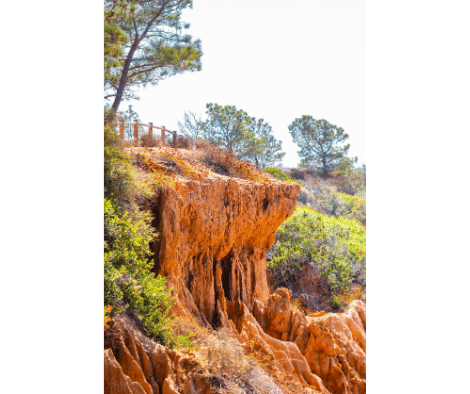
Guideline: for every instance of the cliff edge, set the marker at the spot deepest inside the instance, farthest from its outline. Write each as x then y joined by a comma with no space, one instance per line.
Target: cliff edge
213,233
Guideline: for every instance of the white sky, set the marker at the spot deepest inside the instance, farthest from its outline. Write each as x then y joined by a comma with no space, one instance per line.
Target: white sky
276,60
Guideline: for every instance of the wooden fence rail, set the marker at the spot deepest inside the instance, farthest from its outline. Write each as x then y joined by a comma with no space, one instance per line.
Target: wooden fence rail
136,125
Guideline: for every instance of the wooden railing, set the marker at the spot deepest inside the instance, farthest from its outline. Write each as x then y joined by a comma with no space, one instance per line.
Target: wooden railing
150,126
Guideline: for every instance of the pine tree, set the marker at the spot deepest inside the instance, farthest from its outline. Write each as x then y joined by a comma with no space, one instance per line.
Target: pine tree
319,143
251,138
145,45
226,126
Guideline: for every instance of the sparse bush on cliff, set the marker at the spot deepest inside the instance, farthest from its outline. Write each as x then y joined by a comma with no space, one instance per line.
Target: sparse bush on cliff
223,161
281,175
122,182
336,245
236,371
178,160
149,141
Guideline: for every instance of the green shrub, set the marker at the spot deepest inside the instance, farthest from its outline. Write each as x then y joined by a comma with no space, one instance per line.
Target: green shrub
336,302
128,280
336,245
112,292
281,175
325,200
122,182
341,204
351,182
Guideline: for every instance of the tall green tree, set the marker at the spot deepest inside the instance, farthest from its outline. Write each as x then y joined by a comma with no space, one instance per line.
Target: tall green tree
226,126
260,146
147,45
114,36
320,144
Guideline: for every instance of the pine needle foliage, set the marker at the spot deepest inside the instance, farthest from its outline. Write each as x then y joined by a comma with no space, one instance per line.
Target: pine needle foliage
320,144
146,44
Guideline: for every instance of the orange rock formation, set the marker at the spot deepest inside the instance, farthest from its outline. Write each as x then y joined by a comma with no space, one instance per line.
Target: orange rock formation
213,238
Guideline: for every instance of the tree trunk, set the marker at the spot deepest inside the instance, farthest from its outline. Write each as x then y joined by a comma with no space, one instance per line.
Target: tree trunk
325,171
124,77
118,98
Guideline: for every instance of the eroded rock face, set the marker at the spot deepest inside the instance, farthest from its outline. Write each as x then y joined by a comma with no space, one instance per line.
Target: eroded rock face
285,357
333,344
136,365
213,237
336,349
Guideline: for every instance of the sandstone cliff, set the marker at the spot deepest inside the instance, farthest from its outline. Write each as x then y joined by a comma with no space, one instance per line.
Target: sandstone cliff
213,237
214,231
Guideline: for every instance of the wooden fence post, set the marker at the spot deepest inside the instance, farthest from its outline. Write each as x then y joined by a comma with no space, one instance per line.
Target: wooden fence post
150,131
174,138
121,129
163,133
136,132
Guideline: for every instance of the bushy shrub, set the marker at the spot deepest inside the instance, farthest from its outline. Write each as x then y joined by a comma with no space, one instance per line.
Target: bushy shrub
336,245
184,142
122,182
281,175
297,174
338,204
129,283
128,280
352,182
336,302
324,199
148,140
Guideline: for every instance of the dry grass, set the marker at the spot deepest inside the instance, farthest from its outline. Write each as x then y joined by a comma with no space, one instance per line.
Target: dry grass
224,162
187,326
297,306
354,293
285,383
177,159
151,141
235,371
183,142
193,158
157,173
